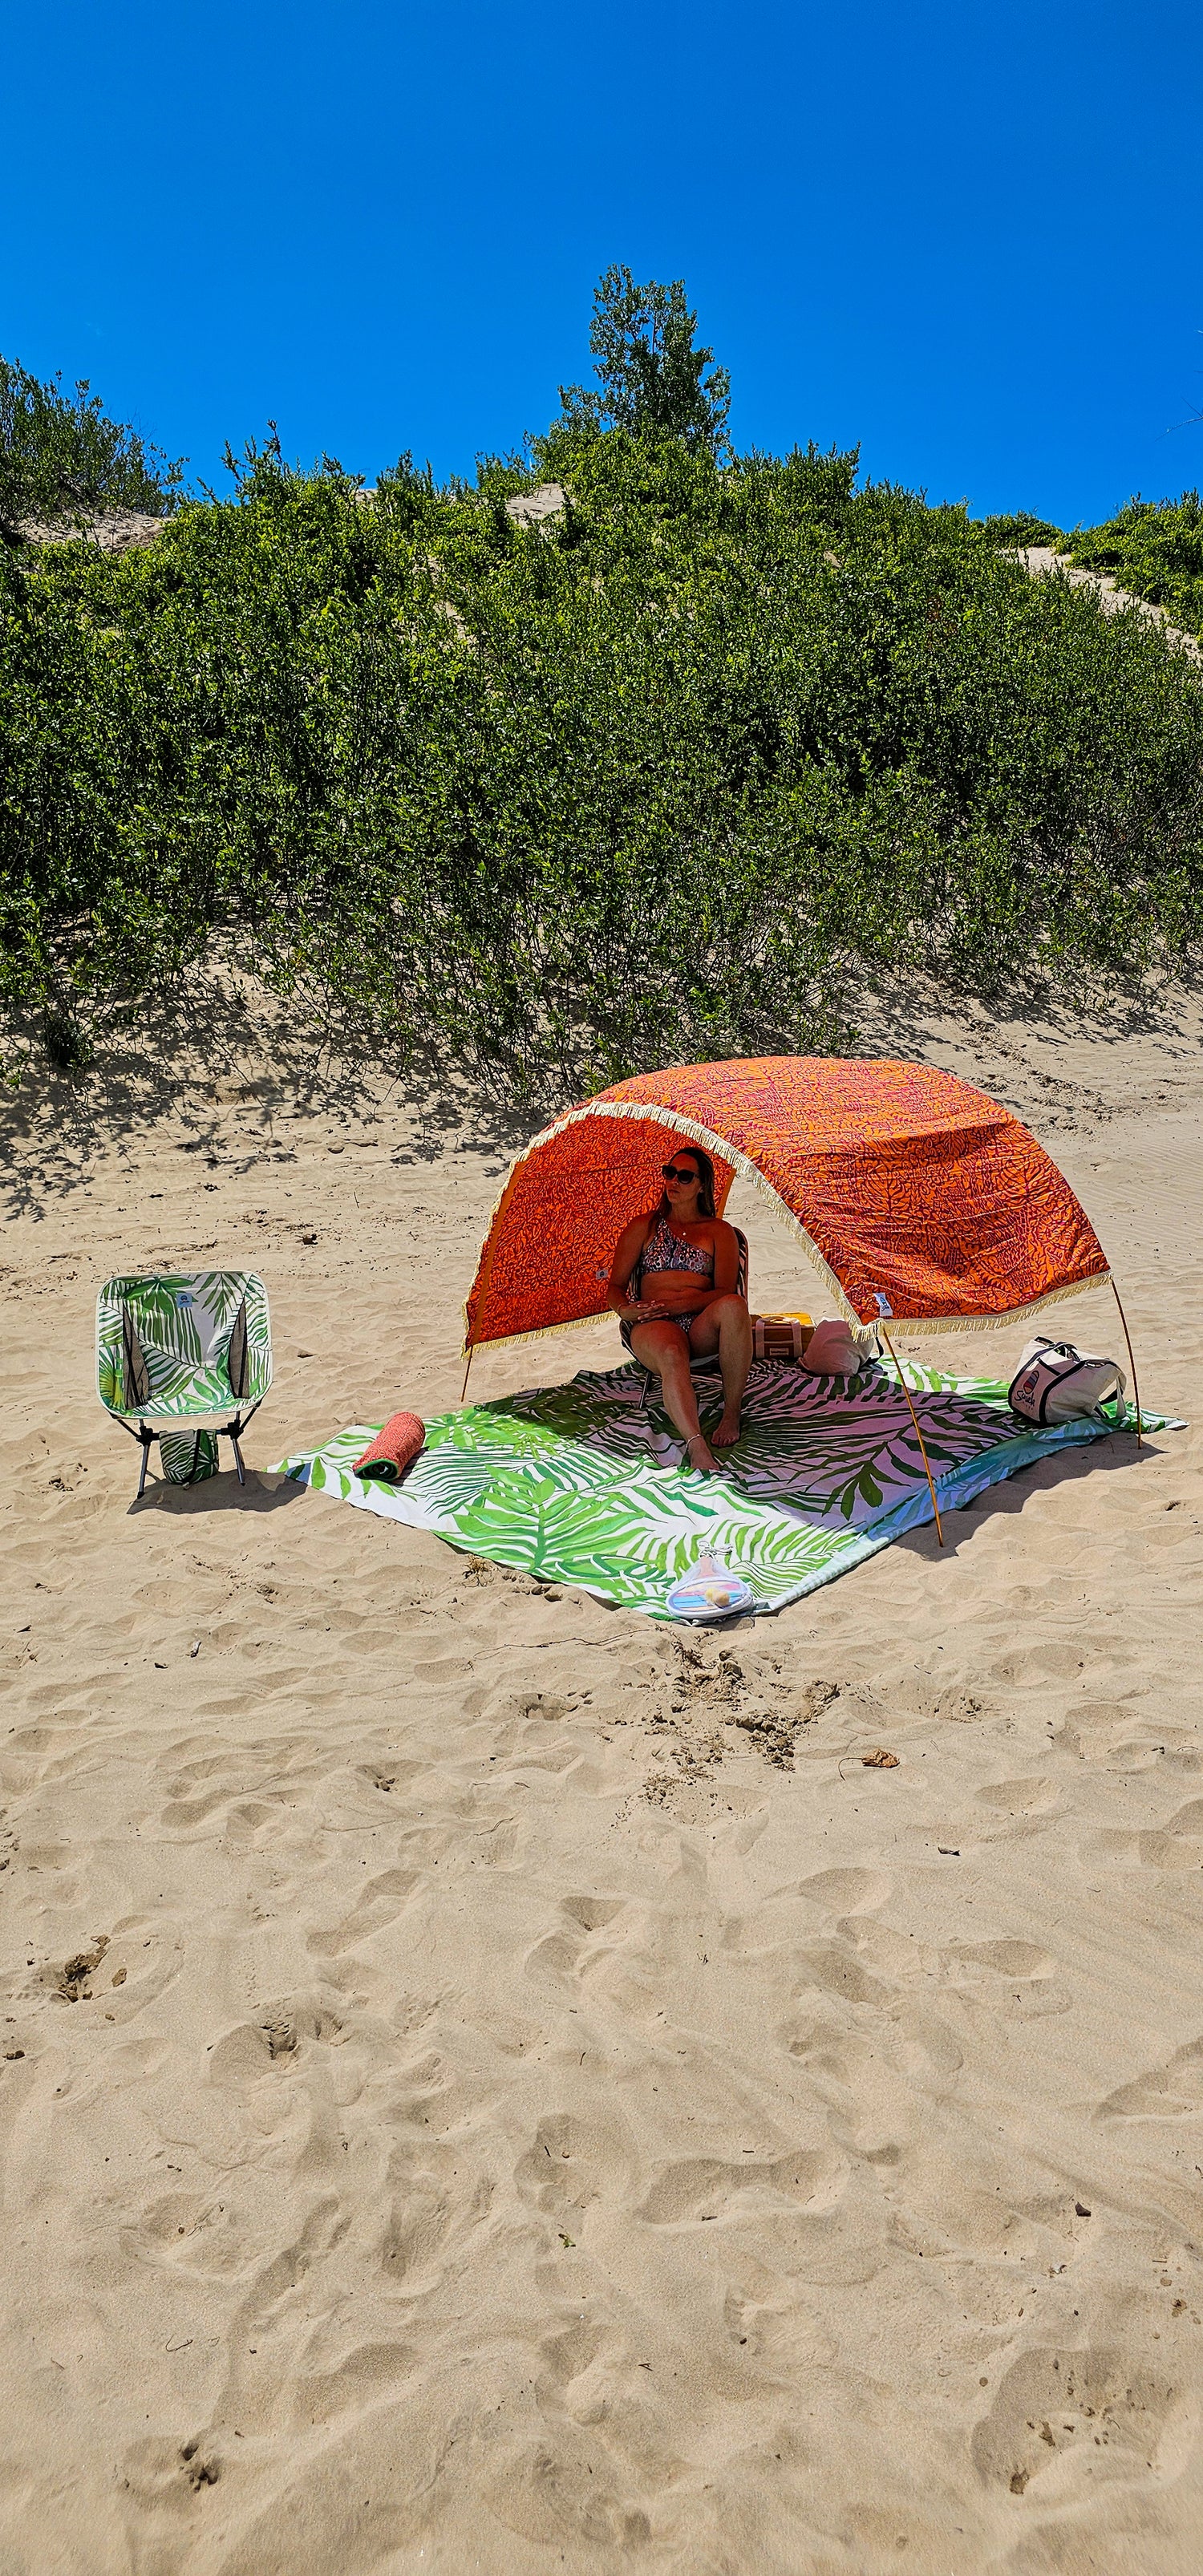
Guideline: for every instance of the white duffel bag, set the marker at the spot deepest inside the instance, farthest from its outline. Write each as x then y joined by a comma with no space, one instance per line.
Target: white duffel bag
1056,1383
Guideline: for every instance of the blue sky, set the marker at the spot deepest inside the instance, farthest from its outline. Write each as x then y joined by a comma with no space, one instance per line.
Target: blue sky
968,238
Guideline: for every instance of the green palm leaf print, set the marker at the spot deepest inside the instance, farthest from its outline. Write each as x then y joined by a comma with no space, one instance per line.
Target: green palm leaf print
582,1483
183,1322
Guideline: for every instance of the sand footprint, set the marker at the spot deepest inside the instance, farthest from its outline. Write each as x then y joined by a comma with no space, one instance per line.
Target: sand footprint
249,2051
785,1921
835,1967
1067,2419
768,2321
1014,1960
704,2188
570,2353
1019,1797
157,2471
188,2231
564,1951
189,1802
569,2488
847,1891
275,2280
1165,2093
415,2229
1179,1842
573,2163
377,1906
362,2376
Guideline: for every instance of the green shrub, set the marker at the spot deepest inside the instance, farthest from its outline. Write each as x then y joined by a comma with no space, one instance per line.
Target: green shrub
60,455
667,777
1155,550
1019,528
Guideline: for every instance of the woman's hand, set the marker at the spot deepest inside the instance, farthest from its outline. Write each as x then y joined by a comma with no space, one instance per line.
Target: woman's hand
656,1310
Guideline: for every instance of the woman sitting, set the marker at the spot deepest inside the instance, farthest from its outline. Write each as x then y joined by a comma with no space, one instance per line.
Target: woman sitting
673,1288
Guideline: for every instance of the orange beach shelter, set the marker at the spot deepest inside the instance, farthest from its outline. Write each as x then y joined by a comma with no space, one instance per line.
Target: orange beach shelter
901,1183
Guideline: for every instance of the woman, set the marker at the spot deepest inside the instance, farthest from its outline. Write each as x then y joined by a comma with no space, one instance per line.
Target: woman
689,1260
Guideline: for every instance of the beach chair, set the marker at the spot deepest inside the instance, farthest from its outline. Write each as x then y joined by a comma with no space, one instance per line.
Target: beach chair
709,1365
174,1353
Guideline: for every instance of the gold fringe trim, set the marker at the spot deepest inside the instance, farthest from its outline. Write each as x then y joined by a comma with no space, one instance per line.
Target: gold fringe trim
545,1333
652,1113
996,1323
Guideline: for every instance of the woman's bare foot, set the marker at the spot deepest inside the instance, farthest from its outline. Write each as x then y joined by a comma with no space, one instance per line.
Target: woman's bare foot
700,1456
728,1431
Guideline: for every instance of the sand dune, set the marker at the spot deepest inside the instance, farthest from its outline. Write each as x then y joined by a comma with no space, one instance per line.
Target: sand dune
489,2083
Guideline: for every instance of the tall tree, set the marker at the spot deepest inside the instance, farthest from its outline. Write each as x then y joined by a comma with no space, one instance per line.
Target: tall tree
650,375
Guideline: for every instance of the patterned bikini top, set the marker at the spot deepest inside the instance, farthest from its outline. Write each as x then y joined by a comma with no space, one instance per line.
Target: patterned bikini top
665,1250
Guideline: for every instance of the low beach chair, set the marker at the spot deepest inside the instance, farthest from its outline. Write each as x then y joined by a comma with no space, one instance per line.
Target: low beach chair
174,1353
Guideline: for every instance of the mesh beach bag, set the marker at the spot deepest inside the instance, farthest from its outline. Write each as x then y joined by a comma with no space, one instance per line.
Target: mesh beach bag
1057,1383
188,1456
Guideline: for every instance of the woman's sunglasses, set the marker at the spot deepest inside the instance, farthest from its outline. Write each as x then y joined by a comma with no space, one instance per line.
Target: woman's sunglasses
675,1172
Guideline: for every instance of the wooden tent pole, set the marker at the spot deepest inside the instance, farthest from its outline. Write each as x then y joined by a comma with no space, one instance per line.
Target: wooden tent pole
1131,1362
918,1434
471,1357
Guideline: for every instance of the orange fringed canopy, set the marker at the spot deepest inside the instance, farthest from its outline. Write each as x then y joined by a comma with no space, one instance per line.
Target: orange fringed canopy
896,1178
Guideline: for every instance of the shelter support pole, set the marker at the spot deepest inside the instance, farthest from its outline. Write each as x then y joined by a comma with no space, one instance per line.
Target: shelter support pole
464,1388
1131,1362
918,1434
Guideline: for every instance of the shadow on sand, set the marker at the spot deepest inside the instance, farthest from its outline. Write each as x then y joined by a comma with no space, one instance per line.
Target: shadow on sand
220,1493
1007,1500
223,1046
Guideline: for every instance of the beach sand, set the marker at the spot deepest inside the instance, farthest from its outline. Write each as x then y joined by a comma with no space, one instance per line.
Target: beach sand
468,2102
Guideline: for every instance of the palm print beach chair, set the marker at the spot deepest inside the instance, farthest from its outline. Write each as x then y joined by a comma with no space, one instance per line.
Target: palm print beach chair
177,1353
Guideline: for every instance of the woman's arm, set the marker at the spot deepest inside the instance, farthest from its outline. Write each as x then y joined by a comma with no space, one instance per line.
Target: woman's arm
630,1244
694,1301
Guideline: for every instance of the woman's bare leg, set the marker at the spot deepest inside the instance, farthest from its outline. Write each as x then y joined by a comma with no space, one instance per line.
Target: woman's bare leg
726,1326
664,1349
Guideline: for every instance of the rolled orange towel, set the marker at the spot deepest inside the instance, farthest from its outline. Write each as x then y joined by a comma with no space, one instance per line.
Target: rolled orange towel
394,1448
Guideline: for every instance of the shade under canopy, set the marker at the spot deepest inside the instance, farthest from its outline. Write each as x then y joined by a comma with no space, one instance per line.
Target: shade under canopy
897,1180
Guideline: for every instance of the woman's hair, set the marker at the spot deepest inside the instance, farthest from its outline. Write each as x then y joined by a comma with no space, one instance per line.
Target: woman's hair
705,1170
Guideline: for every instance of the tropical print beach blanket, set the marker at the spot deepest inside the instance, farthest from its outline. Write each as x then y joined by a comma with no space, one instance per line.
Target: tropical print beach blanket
582,1484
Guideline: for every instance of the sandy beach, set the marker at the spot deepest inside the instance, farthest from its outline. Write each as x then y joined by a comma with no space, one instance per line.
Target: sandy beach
492,2083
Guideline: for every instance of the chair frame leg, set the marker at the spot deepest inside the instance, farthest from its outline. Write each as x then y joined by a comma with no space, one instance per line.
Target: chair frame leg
231,1431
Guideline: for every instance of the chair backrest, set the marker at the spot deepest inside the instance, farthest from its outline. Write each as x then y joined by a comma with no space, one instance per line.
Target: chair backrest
179,1344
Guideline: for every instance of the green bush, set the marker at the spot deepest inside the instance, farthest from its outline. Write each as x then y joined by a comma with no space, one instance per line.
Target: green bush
1019,528
1155,550
667,777
61,455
